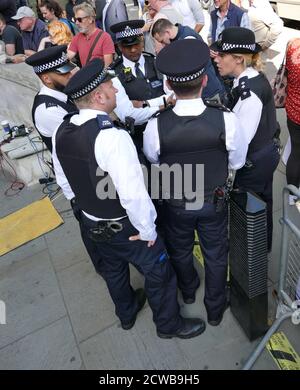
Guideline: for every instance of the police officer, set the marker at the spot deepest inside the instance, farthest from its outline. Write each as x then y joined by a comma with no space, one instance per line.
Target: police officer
137,71
238,55
121,222
51,104
192,135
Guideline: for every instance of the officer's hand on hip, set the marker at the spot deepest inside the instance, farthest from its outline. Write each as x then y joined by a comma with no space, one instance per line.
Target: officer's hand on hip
138,237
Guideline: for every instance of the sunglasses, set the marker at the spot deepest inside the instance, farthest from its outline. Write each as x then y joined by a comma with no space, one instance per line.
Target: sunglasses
80,19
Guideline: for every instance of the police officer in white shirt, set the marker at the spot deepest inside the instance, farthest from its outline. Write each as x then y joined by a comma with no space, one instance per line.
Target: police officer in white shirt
51,104
94,156
194,135
252,95
137,72
50,107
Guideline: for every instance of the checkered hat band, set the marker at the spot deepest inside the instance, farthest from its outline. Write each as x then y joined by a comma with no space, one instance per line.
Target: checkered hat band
182,79
229,46
90,87
129,32
52,64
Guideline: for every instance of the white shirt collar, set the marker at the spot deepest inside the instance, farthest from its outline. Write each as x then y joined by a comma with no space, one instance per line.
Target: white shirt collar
130,64
85,115
248,72
188,107
54,93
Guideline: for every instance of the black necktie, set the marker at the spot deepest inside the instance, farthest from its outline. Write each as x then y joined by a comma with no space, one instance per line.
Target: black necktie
138,72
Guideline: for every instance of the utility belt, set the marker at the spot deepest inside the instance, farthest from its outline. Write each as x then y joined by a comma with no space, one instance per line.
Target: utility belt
99,231
219,198
103,231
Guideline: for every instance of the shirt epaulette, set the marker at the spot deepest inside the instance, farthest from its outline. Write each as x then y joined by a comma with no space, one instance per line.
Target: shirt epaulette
157,113
70,114
215,104
146,54
104,122
51,104
243,87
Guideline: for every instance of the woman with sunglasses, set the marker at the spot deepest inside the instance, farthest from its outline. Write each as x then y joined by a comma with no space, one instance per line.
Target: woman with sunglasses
253,103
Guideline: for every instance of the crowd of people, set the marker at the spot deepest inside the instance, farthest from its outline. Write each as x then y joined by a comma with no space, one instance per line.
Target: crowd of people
183,104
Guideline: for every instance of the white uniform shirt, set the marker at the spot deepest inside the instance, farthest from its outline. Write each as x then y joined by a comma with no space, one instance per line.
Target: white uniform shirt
115,153
125,107
155,102
235,142
48,119
248,111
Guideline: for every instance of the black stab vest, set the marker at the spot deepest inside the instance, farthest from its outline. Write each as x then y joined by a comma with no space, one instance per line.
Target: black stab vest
267,125
75,151
142,89
49,101
195,140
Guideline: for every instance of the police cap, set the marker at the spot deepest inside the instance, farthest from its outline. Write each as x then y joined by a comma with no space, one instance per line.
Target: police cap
129,32
183,60
236,40
52,59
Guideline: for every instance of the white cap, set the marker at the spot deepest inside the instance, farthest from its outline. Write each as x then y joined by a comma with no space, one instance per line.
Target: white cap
24,12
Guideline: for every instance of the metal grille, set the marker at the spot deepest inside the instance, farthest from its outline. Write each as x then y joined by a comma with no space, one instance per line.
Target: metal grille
248,248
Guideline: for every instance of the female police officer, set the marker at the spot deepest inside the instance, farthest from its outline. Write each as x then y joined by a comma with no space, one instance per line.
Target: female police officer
252,101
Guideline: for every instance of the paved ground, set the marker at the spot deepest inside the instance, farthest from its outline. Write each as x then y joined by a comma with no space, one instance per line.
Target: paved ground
60,316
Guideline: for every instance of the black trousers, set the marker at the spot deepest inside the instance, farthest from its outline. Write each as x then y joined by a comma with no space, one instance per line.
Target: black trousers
259,179
211,226
90,245
153,263
293,163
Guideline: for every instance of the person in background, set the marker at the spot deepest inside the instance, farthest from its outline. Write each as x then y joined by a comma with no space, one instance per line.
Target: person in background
148,17
59,34
21,3
192,13
51,11
100,5
89,35
69,8
165,33
166,10
8,9
115,11
226,14
33,29
292,107
11,37
265,23
238,56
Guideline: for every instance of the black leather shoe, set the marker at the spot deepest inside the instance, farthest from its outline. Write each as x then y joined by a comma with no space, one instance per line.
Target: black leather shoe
141,298
218,320
191,327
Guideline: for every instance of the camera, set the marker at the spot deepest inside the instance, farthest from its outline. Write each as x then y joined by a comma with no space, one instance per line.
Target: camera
20,131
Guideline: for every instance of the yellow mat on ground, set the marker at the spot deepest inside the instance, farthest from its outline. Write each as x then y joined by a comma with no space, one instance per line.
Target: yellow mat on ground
27,224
